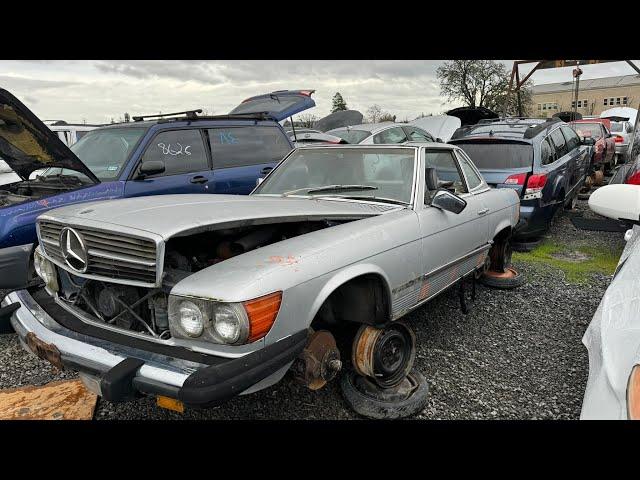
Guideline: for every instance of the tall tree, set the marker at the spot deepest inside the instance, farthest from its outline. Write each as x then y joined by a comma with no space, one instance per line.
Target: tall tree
482,83
374,112
338,103
306,120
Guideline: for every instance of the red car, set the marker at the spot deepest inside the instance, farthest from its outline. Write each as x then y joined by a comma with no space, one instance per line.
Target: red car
604,150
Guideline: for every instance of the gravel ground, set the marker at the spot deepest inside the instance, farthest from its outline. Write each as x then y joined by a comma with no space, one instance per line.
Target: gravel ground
517,355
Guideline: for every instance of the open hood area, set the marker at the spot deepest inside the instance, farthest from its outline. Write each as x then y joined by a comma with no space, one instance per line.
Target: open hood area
472,115
27,144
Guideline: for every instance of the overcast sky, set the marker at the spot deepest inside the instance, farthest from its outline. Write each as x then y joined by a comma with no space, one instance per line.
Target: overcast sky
97,90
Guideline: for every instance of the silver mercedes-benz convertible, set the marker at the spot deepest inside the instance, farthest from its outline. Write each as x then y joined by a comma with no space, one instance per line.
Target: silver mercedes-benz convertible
197,298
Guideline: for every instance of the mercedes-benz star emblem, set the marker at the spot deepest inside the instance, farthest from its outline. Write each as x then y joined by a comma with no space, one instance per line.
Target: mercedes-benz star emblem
73,250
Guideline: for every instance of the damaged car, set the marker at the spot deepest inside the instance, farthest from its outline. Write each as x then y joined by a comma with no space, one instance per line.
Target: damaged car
159,154
195,299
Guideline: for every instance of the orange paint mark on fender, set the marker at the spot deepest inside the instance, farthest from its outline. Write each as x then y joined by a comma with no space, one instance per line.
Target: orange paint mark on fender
287,261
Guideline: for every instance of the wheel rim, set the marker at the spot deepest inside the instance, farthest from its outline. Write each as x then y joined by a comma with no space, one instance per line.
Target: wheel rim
385,355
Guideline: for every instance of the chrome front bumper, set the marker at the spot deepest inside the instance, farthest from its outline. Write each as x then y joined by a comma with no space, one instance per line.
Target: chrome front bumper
88,354
120,372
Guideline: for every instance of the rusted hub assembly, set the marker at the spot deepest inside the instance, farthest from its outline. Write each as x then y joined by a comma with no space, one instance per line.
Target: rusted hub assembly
319,362
598,177
508,272
385,355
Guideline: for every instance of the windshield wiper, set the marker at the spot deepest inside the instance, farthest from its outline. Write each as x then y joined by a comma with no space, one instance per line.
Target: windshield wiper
373,199
330,188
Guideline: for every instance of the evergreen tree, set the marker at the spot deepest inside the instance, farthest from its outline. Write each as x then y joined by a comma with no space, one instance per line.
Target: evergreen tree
338,103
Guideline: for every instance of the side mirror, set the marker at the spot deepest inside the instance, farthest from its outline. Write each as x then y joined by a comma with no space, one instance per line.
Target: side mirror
151,167
445,200
620,202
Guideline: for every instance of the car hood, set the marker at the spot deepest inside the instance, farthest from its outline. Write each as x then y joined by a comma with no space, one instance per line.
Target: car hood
27,144
440,126
168,215
341,118
472,115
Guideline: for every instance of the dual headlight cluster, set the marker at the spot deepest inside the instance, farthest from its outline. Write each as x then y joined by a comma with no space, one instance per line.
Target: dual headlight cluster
222,322
46,270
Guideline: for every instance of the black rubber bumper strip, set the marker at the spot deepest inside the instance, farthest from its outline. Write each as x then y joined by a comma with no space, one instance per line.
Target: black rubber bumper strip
5,317
116,385
213,385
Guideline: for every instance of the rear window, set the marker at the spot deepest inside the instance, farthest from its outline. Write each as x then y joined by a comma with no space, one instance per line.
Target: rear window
616,127
351,136
495,156
242,146
588,129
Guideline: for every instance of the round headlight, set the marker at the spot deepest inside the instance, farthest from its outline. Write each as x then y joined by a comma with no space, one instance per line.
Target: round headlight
191,319
230,323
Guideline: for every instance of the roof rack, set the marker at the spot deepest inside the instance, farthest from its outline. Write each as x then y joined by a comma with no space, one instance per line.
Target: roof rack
191,114
534,130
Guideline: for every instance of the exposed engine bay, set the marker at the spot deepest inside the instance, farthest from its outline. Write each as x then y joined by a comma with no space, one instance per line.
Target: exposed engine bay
27,190
144,310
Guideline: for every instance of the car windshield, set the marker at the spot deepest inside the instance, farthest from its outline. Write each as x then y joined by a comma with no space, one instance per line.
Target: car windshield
376,173
588,130
104,151
350,136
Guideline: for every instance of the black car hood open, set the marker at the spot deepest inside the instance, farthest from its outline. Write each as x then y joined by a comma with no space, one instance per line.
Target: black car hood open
27,144
341,118
472,115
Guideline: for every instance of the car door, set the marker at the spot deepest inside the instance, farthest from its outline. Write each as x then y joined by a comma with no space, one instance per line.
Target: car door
186,162
578,160
243,154
449,240
559,172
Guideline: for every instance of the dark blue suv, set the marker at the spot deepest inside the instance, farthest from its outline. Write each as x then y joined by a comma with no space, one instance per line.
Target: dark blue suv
543,160
179,153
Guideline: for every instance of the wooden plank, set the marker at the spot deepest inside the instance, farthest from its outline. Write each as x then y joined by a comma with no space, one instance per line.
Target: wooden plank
61,400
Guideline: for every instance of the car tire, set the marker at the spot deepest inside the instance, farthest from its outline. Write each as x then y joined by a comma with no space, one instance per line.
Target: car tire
500,255
381,405
525,246
505,281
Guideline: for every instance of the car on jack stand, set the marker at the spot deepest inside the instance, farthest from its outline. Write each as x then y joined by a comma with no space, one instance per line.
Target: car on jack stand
197,298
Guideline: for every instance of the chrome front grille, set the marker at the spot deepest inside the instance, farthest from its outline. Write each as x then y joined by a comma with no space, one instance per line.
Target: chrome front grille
110,255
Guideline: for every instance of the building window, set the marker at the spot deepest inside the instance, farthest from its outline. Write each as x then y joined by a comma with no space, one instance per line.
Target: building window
611,101
539,106
605,101
624,100
618,101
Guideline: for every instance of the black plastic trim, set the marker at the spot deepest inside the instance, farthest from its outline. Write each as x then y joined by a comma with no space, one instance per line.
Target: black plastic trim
116,384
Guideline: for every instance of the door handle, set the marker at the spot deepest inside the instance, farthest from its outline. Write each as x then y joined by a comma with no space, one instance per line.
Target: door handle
199,179
484,211
266,170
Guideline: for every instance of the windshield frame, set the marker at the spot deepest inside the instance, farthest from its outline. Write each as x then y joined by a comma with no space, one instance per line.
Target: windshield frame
411,204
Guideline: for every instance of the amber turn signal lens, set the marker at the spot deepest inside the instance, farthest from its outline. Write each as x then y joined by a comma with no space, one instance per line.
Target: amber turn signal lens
262,313
633,394
170,404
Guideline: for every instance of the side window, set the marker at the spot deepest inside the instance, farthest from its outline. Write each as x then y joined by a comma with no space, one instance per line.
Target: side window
416,135
182,151
473,178
559,142
547,153
80,134
447,170
573,141
390,135
242,146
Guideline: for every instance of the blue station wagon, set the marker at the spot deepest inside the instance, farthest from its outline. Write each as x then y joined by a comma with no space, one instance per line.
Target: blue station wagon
174,153
544,161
